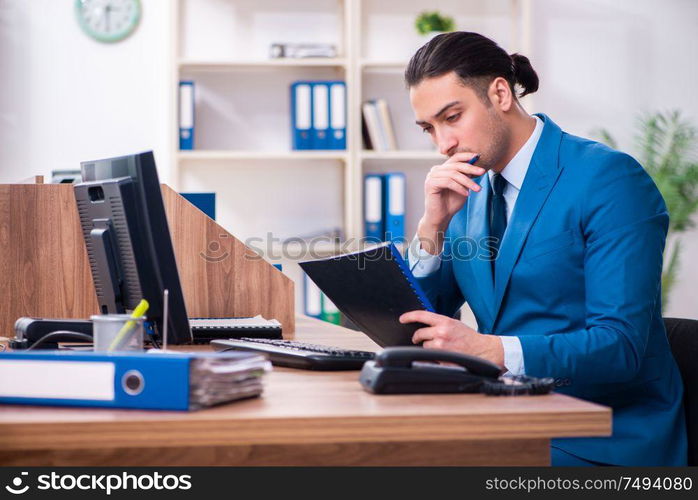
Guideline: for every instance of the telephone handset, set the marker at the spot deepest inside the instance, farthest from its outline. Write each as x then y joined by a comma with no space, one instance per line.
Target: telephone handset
405,356
411,370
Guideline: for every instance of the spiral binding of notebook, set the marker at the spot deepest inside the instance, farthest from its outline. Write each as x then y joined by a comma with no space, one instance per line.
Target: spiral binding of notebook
404,268
372,287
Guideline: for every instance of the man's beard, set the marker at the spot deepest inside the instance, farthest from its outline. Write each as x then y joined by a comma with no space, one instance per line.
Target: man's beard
500,137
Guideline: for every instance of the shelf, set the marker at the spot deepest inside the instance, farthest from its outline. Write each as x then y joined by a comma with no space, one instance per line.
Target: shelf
373,55
212,155
402,155
298,251
340,155
222,65
378,65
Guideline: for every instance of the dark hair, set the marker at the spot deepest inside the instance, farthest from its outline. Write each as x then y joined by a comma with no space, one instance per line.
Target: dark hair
476,59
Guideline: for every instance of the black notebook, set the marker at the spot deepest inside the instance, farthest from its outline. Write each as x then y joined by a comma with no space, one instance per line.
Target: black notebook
373,288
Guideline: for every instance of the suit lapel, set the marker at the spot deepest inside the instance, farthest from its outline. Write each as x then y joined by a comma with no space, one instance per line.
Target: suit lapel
540,179
478,228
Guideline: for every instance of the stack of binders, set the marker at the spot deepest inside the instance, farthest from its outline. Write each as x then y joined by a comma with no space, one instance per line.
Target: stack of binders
318,115
384,207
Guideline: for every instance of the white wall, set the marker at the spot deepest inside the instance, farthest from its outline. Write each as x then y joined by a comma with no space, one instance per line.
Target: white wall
601,63
66,98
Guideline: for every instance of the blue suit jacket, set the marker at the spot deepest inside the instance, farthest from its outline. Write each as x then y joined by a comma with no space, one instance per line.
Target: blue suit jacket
578,281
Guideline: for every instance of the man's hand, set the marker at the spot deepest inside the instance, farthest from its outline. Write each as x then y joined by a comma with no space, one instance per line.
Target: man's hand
445,190
450,334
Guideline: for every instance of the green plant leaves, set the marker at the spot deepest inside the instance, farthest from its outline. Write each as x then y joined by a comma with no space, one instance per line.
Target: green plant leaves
427,22
667,147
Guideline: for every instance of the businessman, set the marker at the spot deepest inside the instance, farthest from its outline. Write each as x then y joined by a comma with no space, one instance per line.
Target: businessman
554,241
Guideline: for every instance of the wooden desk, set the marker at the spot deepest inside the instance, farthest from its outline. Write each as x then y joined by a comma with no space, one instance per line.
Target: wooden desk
306,418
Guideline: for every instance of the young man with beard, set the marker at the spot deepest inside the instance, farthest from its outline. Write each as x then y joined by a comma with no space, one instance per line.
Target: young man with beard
554,241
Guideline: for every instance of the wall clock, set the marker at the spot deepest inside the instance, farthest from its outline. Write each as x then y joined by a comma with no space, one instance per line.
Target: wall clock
108,20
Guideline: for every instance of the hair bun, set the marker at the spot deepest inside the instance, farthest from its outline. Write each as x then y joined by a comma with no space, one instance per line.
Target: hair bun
524,74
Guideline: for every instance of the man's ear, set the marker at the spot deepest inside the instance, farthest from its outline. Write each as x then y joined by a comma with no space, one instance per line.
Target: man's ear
500,94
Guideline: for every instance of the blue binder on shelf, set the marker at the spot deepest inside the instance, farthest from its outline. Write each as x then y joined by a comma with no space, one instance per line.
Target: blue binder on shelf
338,115
374,224
394,203
206,202
186,115
301,115
158,381
312,298
321,115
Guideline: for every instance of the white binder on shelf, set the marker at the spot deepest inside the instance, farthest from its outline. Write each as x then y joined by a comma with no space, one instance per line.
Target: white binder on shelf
338,115
373,125
186,115
395,188
386,124
301,115
313,298
321,115
374,225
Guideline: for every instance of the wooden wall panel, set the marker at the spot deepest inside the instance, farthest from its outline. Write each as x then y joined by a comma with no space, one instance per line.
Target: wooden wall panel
44,264
45,270
219,273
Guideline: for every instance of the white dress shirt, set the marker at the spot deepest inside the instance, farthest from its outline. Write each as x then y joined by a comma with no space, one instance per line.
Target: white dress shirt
423,263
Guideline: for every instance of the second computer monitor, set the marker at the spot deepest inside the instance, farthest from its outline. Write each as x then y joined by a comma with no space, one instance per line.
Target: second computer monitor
128,241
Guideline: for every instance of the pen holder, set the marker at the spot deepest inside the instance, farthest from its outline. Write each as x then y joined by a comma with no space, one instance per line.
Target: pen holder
107,327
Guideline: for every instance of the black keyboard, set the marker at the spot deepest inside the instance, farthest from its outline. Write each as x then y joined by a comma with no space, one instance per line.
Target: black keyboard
298,354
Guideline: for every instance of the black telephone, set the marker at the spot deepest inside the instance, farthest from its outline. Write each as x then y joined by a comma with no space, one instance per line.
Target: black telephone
411,370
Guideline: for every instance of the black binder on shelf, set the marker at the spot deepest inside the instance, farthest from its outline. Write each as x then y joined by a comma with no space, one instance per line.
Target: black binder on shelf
373,288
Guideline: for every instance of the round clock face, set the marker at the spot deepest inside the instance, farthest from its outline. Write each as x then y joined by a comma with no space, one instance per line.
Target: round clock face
108,20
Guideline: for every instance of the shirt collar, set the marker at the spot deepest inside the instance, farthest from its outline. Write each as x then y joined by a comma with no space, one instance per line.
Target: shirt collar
515,171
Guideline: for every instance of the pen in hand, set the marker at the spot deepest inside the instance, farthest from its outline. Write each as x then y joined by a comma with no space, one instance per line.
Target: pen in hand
446,189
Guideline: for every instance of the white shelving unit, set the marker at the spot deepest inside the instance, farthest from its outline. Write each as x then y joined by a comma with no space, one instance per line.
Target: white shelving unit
400,155
242,122
213,65
229,155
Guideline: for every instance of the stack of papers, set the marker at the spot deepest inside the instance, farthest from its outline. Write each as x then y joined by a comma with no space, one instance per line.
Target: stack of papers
224,377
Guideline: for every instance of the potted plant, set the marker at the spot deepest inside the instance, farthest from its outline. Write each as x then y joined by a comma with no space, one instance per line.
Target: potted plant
430,24
667,149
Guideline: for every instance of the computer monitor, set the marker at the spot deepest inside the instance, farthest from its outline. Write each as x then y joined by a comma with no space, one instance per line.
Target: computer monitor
128,242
